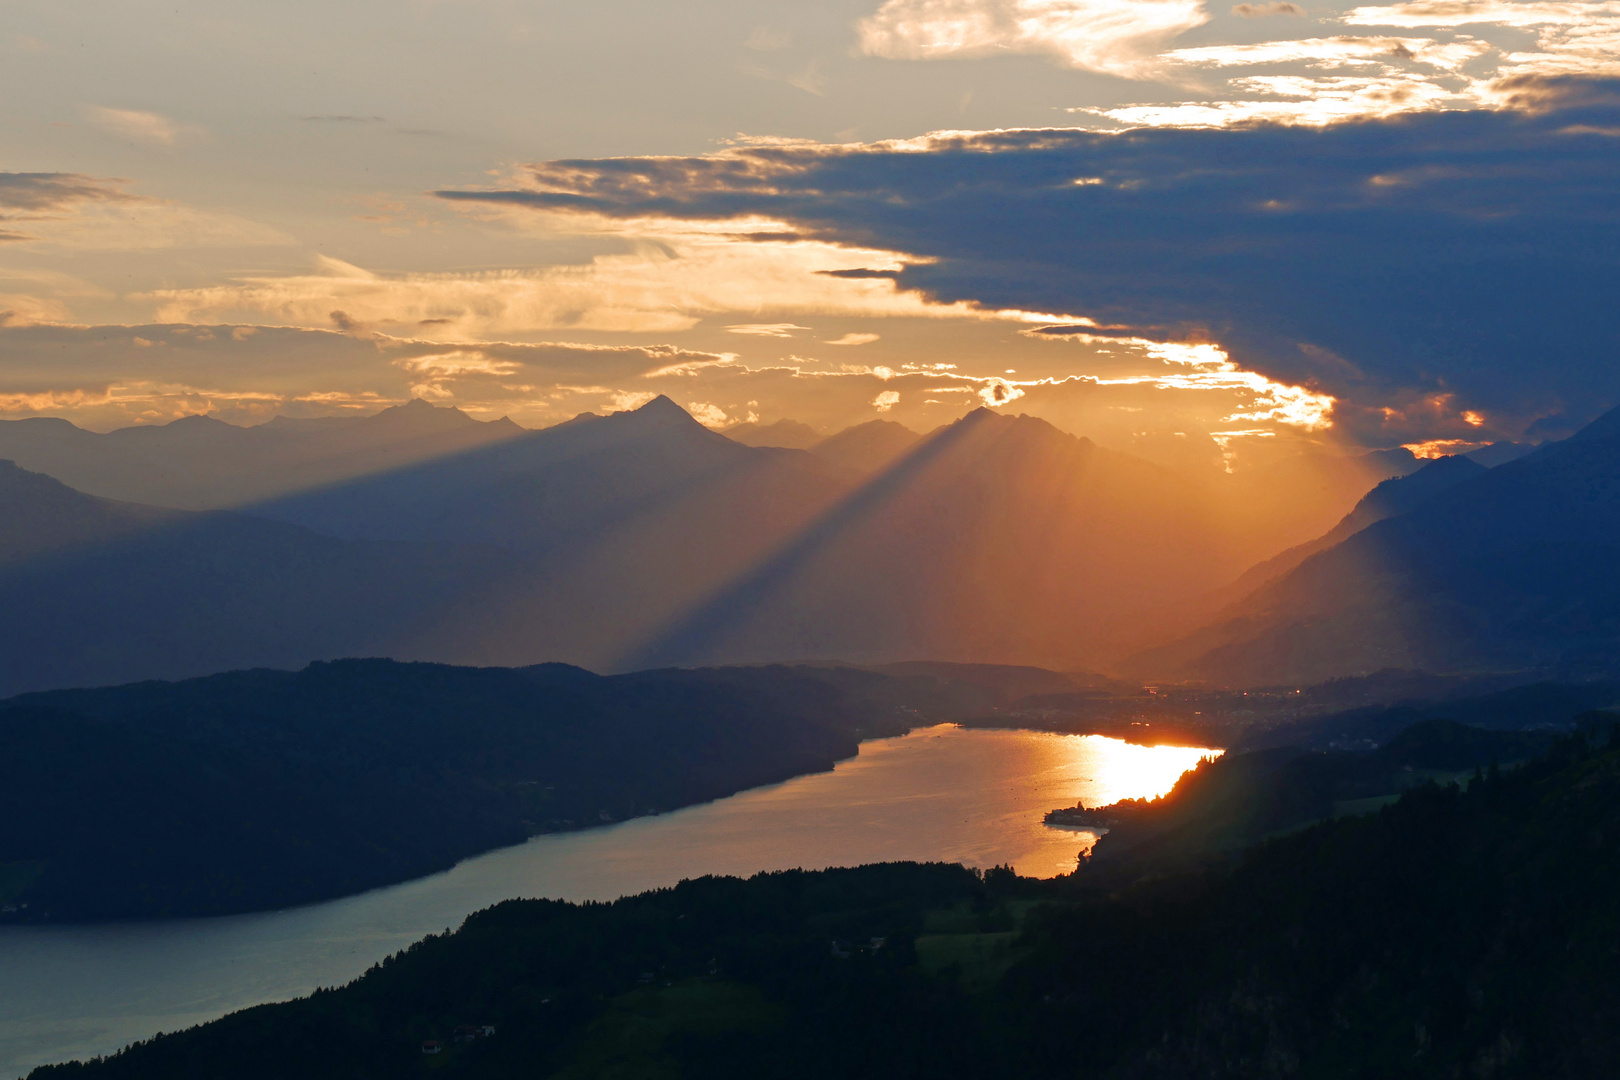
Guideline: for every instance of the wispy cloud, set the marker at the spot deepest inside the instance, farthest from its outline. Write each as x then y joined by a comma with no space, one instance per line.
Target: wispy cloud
70,211
1571,38
669,284
765,39
776,330
147,127
1261,11
1119,37
109,376
1477,12
1307,100
42,196
1336,51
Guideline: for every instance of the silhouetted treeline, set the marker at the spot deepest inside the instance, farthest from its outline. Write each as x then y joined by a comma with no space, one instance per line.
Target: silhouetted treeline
261,789
1228,803
1465,930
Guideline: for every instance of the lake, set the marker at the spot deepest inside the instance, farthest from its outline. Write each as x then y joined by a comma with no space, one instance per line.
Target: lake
938,794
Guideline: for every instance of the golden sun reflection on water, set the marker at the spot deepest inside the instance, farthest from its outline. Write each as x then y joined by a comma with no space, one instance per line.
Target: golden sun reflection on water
1098,771
1126,771
940,793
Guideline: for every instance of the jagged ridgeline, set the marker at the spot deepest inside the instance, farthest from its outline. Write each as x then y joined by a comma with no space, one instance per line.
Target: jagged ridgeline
1464,930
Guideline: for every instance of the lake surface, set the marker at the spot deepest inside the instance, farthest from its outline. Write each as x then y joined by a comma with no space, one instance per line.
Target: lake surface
938,794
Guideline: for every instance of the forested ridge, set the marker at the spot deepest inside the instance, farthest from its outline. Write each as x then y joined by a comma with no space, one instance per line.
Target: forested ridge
1463,930
260,789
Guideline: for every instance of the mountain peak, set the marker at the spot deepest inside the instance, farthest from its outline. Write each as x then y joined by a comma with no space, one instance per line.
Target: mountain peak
661,413
420,413
198,420
661,406
1029,427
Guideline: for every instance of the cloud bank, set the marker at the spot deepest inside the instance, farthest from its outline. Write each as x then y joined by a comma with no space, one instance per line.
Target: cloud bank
1461,254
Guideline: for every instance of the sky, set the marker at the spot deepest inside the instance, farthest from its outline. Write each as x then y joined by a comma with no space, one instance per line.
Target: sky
1209,234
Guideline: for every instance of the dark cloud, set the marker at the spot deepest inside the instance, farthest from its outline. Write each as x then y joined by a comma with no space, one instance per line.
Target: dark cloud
861,272
35,195
1150,333
1554,93
1468,254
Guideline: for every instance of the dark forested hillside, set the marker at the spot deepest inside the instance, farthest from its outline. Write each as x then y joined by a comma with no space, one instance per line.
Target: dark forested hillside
259,789
1459,932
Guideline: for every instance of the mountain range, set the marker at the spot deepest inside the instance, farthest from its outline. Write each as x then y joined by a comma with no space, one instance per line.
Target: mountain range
643,538
613,542
95,591
198,463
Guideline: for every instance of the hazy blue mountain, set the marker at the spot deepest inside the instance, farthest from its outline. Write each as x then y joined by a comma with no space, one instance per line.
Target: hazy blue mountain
198,463
624,541
868,447
1513,568
94,591
614,542
996,539
579,481
627,521
787,434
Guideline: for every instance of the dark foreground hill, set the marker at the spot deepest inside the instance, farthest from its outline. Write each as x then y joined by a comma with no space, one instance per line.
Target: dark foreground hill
260,789
1459,932
1230,803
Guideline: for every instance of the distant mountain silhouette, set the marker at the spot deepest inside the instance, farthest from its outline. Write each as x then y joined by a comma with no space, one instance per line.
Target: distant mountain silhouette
618,542
867,447
625,521
997,539
198,463
1513,568
614,542
94,591
787,434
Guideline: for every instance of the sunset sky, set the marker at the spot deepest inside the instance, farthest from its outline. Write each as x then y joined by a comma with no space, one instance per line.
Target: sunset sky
1209,234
